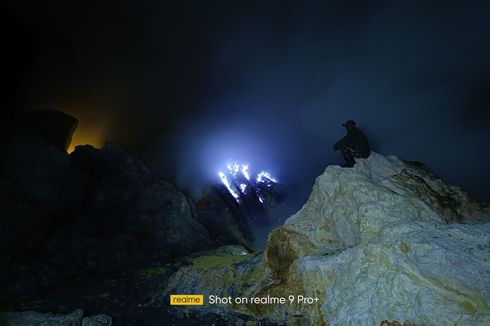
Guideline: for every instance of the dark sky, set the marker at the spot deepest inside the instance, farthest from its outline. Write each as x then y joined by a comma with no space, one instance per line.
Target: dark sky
188,85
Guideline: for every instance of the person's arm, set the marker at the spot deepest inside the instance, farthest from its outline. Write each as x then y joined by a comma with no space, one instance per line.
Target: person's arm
341,143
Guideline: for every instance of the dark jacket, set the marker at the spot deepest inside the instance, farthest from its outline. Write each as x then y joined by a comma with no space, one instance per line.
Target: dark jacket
356,140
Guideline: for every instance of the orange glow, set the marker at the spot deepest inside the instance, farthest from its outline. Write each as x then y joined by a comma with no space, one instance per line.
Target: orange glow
94,107
89,131
86,136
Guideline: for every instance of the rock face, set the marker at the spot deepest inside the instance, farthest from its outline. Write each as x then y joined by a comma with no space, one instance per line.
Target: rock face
385,240
38,184
54,126
247,221
93,211
125,193
222,217
128,217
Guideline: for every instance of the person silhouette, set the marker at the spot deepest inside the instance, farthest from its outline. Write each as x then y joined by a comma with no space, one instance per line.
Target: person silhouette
353,145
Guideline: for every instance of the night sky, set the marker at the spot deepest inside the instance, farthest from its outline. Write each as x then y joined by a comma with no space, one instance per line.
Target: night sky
188,85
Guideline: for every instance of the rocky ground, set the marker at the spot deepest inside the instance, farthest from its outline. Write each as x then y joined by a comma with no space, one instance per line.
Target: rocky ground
93,238
95,230
131,298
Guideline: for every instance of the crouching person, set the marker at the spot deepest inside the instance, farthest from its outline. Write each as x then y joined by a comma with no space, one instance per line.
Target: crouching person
353,145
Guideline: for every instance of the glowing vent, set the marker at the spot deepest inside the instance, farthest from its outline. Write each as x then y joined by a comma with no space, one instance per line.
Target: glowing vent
237,179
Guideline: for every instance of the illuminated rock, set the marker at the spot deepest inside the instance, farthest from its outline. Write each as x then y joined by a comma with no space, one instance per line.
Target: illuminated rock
384,240
352,206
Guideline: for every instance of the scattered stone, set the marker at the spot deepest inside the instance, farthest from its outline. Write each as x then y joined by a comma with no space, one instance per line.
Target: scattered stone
97,320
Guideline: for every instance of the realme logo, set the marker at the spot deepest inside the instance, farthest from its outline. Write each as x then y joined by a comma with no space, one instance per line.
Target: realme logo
186,299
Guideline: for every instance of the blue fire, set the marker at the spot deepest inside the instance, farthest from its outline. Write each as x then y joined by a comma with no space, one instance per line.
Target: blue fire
237,179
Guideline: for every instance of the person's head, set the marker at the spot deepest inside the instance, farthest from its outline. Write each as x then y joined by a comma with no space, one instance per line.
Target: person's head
349,124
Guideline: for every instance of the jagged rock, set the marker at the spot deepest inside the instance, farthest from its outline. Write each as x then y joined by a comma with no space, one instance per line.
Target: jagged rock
100,163
247,221
222,218
89,212
384,240
97,320
33,318
54,126
126,197
351,206
422,273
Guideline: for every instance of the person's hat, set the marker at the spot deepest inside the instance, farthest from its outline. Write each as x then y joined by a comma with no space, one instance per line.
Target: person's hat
349,123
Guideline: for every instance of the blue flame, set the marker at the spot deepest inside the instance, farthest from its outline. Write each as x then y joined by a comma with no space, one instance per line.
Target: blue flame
238,183
245,171
265,175
243,187
225,181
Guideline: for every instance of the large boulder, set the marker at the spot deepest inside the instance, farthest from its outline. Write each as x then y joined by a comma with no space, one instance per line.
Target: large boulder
352,206
54,126
126,198
385,240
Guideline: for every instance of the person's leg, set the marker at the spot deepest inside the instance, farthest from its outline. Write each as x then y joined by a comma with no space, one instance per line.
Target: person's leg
348,157
359,154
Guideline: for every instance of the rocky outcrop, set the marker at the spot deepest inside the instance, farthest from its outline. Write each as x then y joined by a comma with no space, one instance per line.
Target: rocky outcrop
96,210
124,192
54,126
385,240
248,220
222,217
